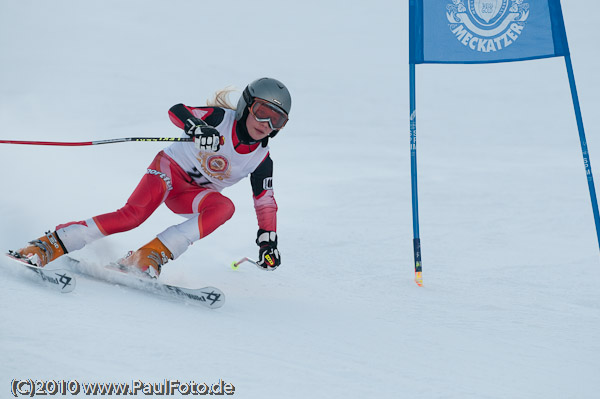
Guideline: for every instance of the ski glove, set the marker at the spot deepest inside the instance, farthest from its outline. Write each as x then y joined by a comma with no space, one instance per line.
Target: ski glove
268,254
206,137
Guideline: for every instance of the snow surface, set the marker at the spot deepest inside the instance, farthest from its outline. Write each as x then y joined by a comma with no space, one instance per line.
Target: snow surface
511,302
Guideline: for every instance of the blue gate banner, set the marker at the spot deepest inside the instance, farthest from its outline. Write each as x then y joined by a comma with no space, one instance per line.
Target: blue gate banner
484,31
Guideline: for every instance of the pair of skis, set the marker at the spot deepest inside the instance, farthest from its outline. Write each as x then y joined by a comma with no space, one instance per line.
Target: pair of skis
64,281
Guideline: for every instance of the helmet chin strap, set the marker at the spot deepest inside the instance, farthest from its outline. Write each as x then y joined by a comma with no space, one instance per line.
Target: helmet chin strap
265,141
242,131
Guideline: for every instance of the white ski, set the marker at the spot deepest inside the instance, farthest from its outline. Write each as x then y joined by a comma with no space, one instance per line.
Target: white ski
209,297
60,279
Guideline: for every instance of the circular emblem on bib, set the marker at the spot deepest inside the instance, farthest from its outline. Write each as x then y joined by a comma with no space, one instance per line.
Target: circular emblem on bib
217,163
487,25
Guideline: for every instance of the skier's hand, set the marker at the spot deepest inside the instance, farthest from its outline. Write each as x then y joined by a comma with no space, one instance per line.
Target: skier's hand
268,254
206,137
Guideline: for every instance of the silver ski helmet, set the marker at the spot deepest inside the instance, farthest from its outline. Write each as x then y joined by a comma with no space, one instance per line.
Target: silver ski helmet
268,89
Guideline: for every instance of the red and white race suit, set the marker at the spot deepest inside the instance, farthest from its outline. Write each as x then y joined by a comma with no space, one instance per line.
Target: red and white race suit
189,182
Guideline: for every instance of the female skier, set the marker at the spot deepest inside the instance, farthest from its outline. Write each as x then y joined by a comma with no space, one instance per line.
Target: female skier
229,143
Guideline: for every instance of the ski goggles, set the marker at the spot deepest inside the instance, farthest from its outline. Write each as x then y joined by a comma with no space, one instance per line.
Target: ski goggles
264,111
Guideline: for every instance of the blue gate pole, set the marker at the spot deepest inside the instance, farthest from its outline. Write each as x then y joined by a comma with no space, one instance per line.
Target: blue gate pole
584,148
413,175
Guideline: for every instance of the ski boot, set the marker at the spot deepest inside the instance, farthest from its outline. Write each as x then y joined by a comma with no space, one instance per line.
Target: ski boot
42,251
148,260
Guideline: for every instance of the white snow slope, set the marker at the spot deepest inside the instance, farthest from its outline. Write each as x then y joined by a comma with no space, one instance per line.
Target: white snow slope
511,302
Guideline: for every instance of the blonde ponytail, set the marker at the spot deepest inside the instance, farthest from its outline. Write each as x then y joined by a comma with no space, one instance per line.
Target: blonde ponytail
221,98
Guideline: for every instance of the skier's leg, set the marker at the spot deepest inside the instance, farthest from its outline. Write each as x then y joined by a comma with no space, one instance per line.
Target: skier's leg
206,210
148,195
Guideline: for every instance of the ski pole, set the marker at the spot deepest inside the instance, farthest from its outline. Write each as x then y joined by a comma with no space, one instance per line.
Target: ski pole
96,142
236,265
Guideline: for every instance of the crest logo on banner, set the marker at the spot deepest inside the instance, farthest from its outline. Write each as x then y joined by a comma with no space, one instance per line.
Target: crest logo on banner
487,25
